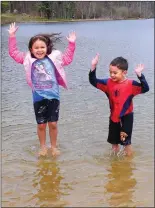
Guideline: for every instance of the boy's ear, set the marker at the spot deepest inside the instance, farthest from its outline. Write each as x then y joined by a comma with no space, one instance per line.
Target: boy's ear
125,72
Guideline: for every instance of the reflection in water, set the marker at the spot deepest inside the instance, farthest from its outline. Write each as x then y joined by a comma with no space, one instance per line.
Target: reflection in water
121,183
47,183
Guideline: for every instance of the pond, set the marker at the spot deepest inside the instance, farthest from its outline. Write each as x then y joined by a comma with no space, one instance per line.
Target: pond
84,174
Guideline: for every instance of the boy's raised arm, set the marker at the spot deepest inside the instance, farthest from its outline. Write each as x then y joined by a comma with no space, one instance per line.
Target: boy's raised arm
142,87
94,62
100,84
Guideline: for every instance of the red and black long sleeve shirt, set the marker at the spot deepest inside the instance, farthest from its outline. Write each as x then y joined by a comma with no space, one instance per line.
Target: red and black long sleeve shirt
120,95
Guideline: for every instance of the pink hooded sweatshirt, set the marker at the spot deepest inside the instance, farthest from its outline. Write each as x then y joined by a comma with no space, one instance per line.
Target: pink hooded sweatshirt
59,60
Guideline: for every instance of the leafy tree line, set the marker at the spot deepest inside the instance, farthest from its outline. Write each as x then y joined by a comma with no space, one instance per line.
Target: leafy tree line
81,10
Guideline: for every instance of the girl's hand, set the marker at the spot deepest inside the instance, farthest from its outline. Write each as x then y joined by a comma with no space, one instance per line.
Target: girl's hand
12,30
71,37
139,68
94,62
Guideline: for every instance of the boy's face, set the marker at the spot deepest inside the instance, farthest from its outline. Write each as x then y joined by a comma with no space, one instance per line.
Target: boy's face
116,74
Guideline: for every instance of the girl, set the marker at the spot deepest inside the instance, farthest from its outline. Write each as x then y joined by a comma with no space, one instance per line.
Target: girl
44,73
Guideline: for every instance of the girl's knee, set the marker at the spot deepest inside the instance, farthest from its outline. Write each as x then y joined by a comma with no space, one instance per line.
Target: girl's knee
52,125
42,127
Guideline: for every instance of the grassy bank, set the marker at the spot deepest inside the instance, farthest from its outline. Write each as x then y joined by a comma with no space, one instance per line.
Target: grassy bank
9,18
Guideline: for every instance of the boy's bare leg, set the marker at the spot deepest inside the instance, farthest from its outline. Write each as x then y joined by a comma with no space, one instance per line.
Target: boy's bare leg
53,132
41,130
128,150
115,148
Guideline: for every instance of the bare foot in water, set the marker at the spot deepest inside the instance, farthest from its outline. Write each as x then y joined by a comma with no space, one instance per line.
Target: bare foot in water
42,151
128,150
55,151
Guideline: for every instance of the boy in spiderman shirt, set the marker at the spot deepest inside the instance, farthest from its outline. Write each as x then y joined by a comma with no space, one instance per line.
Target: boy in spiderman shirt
120,92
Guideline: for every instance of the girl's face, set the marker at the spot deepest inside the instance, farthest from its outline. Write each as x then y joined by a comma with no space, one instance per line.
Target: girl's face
116,74
39,49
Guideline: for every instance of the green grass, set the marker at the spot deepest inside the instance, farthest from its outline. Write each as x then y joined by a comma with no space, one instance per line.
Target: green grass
9,18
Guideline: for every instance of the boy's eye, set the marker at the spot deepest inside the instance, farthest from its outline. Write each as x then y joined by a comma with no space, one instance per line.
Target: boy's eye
113,72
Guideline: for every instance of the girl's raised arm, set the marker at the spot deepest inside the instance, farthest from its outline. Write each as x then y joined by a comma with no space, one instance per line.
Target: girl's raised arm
67,56
17,55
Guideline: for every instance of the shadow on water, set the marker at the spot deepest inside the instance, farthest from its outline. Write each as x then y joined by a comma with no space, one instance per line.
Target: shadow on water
121,183
47,182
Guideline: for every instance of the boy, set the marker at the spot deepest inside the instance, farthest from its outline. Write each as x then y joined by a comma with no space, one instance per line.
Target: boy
120,92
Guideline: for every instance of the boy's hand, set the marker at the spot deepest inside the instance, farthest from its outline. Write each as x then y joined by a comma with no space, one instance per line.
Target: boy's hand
139,68
94,62
71,37
12,30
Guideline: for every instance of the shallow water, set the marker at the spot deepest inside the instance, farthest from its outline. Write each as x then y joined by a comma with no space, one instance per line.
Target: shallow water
85,174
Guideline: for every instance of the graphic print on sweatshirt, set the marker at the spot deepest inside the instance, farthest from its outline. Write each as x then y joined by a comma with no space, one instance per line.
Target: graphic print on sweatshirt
44,79
41,75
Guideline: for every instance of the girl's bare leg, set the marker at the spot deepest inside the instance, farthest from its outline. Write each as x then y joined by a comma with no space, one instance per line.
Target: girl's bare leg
53,132
41,130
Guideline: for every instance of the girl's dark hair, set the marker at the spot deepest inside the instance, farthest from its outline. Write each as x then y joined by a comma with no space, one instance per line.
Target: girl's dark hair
48,39
120,62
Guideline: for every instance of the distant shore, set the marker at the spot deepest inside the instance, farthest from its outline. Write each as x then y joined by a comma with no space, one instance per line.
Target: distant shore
9,18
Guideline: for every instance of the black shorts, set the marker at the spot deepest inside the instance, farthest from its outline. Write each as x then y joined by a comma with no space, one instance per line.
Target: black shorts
125,125
46,110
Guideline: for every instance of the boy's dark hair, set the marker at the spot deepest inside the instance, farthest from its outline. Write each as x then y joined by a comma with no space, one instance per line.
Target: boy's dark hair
49,40
120,62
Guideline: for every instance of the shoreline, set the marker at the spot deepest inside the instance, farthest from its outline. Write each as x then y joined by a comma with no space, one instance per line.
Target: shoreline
10,20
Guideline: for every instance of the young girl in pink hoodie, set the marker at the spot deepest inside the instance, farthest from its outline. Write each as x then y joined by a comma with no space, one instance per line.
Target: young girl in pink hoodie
44,73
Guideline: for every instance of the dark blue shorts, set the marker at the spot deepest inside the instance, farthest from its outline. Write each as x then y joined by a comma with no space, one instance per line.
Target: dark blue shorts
125,125
47,110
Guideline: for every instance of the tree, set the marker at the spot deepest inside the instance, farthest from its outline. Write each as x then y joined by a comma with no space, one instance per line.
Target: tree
5,6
